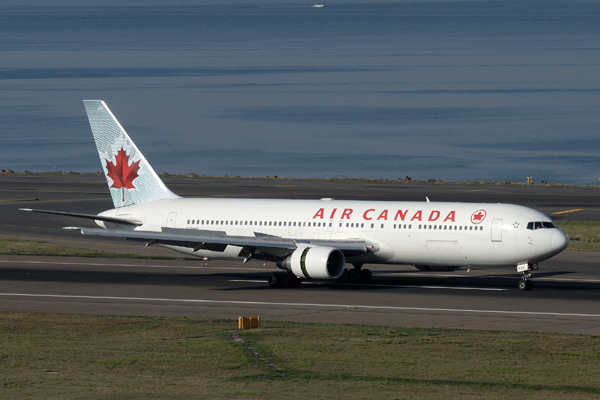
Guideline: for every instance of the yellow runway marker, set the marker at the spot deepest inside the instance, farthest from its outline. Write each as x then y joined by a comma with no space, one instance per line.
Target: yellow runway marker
568,211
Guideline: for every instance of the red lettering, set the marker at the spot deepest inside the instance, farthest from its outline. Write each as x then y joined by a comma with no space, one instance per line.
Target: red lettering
332,213
451,216
383,215
418,215
319,213
347,213
434,215
399,214
365,214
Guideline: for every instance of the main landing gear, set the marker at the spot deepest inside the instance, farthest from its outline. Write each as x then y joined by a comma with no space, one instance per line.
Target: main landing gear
358,274
284,280
525,268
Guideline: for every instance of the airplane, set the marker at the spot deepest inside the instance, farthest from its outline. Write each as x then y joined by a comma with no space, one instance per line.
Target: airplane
310,239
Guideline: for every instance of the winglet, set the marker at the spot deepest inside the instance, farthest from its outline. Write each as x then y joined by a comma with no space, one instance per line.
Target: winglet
131,179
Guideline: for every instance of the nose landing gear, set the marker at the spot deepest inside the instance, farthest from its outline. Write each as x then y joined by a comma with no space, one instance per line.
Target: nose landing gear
525,268
525,283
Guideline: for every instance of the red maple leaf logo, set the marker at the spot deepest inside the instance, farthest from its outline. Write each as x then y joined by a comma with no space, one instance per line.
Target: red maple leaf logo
121,172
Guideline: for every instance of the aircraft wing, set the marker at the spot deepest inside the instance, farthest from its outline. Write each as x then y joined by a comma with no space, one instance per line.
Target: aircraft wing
219,240
87,216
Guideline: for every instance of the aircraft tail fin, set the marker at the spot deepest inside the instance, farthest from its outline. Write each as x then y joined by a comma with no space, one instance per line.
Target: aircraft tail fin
131,179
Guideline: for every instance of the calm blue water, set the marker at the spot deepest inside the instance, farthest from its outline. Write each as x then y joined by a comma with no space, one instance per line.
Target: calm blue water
452,90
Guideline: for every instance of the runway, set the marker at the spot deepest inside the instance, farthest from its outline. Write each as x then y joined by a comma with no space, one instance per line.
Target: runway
565,297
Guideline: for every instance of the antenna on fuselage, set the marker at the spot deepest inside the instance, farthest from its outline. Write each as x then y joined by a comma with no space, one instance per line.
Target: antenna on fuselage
427,199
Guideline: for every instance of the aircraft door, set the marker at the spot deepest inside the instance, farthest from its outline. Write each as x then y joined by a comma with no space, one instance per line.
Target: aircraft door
171,219
497,230
340,226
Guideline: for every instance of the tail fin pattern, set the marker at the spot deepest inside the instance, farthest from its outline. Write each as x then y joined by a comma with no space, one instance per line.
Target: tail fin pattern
130,177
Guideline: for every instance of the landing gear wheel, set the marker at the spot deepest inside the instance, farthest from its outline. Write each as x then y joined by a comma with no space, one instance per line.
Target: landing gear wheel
525,284
295,282
365,276
274,280
285,280
345,277
355,275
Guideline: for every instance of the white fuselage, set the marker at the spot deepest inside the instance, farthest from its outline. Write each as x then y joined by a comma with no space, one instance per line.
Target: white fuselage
417,233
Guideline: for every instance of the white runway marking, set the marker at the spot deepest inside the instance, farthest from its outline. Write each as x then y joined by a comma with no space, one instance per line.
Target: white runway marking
266,303
380,285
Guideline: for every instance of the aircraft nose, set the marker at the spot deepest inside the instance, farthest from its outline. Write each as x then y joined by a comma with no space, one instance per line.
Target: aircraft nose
559,241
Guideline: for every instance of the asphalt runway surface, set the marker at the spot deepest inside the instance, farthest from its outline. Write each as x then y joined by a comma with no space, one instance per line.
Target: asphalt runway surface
565,297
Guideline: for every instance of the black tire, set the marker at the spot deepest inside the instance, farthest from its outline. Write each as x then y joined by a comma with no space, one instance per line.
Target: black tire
285,280
524,285
273,280
365,276
354,275
296,282
345,277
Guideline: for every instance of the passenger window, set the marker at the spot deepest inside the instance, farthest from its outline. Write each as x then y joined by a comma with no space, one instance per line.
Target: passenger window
372,225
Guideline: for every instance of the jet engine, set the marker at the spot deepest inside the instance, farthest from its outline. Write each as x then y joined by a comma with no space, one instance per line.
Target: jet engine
316,262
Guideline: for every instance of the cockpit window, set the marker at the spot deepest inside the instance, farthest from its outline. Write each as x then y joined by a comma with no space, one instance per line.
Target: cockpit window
541,225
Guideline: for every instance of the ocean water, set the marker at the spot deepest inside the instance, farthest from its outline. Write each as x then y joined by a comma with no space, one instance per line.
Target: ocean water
452,90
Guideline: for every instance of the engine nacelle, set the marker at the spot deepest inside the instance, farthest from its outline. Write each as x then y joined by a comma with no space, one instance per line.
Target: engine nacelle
316,262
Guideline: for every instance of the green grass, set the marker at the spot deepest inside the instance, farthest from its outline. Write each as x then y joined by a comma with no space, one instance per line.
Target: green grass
13,200
70,356
583,236
33,248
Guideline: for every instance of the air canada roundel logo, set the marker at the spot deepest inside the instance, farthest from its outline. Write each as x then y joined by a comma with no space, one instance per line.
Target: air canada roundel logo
478,216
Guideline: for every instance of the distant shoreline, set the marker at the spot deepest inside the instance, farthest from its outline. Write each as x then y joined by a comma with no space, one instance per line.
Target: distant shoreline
405,180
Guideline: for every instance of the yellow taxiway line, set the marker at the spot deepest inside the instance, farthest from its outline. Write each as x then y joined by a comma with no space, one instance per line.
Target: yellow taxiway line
568,211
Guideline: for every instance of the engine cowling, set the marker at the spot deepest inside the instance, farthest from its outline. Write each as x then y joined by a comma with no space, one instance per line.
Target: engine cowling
316,262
